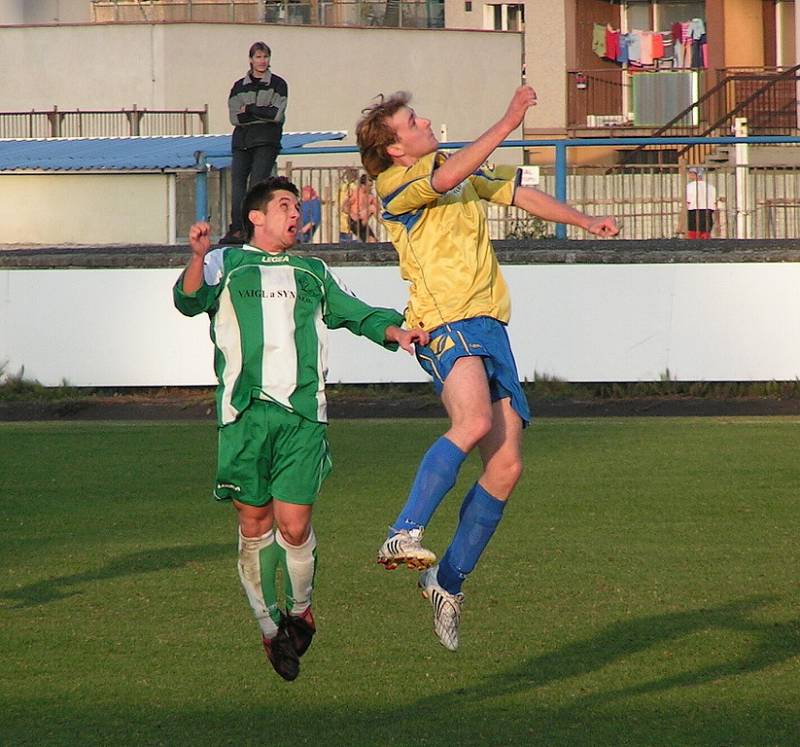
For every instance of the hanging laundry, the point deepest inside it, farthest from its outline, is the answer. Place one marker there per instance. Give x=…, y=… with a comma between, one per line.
x=599, y=39
x=697, y=28
x=635, y=47
x=612, y=43
x=646, y=48
x=622, y=51
x=698, y=58
x=658, y=47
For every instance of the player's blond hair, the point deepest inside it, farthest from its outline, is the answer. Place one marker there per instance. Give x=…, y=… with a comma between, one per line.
x=374, y=134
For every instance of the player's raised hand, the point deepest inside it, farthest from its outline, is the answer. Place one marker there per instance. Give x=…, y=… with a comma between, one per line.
x=200, y=238
x=524, y=98
x=603, y=227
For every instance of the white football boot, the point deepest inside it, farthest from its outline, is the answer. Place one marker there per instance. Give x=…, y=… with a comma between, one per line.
x=405, y=548
x=446, y=608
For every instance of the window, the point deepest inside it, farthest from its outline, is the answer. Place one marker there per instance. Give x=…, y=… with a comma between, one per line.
x=504, y=17
x=468, y=6
x=659, y=15
x=669, y=13
x=638, y=16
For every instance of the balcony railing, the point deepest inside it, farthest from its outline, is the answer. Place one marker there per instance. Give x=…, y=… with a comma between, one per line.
x=595, y=97
x=109, y=123
x=389, y=13
x=766, y=97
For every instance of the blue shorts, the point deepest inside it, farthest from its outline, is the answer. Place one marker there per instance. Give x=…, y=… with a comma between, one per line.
x=482, y=336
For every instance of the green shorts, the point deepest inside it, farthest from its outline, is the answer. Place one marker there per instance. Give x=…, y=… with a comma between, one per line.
x=271, y=453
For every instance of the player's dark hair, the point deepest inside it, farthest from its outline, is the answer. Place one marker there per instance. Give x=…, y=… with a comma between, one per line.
x=374, y=134
x=258, y=197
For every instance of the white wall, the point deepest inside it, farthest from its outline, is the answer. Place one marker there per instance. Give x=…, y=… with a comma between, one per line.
x=545, y=50
x=81, y=208
x=578, y=322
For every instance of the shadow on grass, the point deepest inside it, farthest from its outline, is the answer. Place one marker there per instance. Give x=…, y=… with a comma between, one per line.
x=146, y=561
x=771, y=643
x=518, y=706
x=768, y=644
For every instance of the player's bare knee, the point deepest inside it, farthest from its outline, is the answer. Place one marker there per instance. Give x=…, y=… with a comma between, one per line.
x=513, y=471
x=478, y=427
x=294, y=532
x=504, y=474
x=252, y=526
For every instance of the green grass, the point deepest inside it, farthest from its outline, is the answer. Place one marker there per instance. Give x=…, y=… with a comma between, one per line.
x=643, y=589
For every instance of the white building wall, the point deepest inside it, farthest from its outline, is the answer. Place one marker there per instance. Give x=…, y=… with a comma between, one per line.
x=699, y=322
x=544, y=52
x=79, y=208
x=332, y=72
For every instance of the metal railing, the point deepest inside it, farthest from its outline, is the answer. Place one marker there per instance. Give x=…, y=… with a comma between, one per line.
x=766, y=97
x=594, y=97
x=108, y=123
x=389, y=13
x=648, y=199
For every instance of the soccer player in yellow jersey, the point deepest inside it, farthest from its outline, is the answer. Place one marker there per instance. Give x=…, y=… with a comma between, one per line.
x=432, y=211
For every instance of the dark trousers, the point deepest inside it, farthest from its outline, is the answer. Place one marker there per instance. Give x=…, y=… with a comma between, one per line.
x=700, y=224
x=255, y=164
x=361, y=231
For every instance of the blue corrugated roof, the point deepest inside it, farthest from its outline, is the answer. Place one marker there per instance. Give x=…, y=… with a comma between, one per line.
x=166, y=153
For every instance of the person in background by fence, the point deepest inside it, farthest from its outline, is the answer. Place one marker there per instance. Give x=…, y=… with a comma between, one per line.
x=701, y=204
x=312, y=213
x=257, y=109
x=348, y=183
x=360, y=206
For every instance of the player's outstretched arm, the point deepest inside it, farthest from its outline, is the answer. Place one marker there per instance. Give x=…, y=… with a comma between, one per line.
x=407, y=338
x=548, y=208
x=200, y=243
x=468, y=159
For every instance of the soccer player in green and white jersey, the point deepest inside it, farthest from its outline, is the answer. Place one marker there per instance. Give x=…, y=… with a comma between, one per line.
x=269, y=314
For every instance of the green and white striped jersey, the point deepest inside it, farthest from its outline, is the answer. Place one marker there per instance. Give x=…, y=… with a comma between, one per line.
x=269, y=314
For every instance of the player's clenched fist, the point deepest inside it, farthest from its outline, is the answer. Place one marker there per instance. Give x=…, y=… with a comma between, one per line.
x=200, y=238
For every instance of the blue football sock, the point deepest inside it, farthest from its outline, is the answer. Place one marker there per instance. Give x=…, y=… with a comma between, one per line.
x=480, y=515
x=467, y=502
x=436, y=475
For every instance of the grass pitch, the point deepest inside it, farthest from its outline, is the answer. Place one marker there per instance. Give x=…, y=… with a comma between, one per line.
x=643, y=589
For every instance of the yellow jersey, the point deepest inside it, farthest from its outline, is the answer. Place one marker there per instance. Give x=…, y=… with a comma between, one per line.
x=443, y=242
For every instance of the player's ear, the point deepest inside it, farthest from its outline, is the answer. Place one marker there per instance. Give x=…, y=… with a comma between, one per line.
x=256, y=217
x=395, y=150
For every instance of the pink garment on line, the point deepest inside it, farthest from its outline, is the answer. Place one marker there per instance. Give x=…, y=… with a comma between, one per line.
x=646, y=53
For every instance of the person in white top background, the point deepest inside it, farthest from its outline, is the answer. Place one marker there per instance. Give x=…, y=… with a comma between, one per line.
x=701, y=204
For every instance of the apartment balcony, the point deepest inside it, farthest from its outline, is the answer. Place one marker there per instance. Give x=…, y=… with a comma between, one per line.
x=681, y=102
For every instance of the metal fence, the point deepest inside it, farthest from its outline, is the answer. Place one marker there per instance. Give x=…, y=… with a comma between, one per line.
x=648, y=200
x=109, y=123
x=389, y=13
